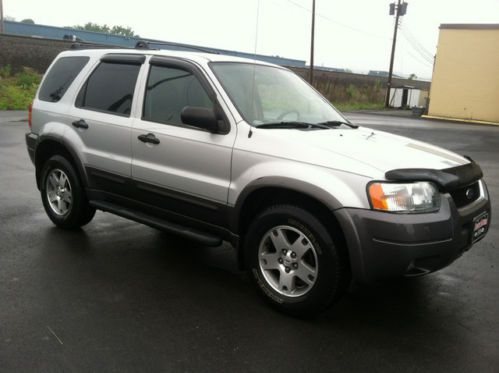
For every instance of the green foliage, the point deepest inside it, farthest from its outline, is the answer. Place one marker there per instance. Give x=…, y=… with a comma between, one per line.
x=5, y=71
x=28, y=20
x=27, y=79
x=123, y=31
x=352, y=106
x=90, y=26
x=352, y=92
x=18, y=90
x=114, y=30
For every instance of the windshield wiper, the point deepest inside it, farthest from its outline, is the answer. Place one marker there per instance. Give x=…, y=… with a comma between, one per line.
x=288, y=125
x=337, y=123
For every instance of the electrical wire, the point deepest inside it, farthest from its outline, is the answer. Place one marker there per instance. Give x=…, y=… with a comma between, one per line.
x=408, y=32
x=417, y=46
x=422, y=56
x=421, y=61
x=298, y=5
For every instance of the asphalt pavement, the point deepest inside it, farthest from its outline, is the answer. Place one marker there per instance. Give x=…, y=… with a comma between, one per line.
x=118, y=296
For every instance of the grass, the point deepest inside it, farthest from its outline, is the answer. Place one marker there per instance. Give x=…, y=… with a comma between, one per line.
x=352, y=106
x=17, y=90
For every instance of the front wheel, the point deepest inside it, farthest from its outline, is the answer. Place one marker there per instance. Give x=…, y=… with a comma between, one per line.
x=295, y=262
x=62, y=195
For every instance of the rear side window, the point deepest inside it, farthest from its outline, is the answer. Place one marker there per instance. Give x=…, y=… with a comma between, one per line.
x=168, y=91
x=110, y=88
x=60, y=77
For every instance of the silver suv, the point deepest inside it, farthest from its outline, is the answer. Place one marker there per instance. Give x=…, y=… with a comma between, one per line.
x=217, y=148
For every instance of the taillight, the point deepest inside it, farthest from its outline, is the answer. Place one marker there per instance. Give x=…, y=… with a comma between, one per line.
x=30, y=115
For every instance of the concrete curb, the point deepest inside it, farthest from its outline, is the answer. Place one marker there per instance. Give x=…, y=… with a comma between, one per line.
x=456, y=120
x=386, y=113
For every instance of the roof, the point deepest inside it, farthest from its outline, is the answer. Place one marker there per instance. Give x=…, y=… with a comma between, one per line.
x=470, y=26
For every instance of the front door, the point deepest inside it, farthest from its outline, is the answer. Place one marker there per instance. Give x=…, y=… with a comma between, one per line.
x=177, y=167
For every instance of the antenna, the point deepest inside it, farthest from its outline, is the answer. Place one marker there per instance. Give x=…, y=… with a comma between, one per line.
x=250, y=133
x=256, y=25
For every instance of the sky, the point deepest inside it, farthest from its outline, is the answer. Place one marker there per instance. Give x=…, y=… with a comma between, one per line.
x=351, y=34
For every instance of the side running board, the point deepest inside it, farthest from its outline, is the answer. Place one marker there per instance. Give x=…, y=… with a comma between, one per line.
x=201, y=237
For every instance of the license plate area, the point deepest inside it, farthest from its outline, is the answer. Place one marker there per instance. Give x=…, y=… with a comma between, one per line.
x=480, y=226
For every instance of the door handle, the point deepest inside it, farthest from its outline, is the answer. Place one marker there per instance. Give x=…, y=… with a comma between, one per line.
x=150, y=138
x=80, y=124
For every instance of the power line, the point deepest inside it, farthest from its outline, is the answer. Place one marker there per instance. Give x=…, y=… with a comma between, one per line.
x=421, y=61
x=423, y=52
x=408, y=32
x=424, y=56
x=337, y=22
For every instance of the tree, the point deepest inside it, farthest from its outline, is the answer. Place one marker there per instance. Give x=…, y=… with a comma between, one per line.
x=123, y=31
x=28, y=20
x=412, y=76
x=114, y=30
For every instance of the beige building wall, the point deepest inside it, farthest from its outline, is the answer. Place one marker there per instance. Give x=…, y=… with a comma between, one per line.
x=465, y=82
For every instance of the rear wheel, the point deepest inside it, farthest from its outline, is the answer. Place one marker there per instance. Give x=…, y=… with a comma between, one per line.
x=295, y=262
x=62, y=195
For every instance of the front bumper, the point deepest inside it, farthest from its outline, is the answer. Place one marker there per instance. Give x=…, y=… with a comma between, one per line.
x=383, y=245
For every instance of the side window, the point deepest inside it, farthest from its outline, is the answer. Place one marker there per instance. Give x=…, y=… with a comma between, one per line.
x=59, y=78
x=110, y=88
x=168, y=91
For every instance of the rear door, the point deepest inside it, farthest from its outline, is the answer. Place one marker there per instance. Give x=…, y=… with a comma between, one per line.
x=101, y=118
x=187, y=170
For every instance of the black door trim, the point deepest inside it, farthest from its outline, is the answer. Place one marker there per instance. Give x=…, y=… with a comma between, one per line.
x=157, y=201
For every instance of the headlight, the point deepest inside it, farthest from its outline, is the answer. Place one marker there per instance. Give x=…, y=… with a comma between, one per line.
x=412, y=197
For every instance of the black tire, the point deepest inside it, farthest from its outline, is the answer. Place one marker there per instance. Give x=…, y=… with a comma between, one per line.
x=333, y=275
x=80, y=212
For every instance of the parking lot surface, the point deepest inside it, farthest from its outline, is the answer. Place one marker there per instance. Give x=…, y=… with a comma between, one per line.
x=118, y=296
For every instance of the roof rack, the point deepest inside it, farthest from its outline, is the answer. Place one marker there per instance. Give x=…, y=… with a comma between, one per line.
x=146, y=44
x=94, y=46
x=141, y=44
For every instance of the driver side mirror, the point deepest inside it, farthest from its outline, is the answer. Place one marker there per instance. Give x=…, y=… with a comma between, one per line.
x=200, y=117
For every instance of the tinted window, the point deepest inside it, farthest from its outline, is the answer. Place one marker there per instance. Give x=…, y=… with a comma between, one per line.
x=110, y=88
x=168, y=91
x=267, y=94
x=60, y=77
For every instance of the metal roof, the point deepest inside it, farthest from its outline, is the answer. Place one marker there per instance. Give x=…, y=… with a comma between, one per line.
x=470, y=26
x=58, y=33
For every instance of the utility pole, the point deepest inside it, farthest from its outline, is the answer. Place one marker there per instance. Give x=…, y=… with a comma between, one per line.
x=311, y=75
x=399, y=10
x=1, y=16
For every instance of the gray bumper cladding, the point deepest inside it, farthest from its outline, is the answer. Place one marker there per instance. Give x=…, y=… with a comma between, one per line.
x=383, y=245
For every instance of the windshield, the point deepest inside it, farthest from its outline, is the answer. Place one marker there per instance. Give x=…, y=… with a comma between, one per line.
x=266, y=94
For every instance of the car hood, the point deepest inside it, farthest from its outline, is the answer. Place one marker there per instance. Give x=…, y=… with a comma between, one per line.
x=378, y=150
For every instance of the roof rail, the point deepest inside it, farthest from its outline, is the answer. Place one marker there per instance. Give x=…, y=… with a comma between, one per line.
x=80, y=46
x=146, y=44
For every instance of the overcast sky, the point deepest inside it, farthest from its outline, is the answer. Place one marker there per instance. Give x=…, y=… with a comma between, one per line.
x=349, y=34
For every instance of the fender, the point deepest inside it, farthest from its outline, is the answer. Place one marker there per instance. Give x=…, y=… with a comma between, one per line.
x=69, y=148
x=308, y=189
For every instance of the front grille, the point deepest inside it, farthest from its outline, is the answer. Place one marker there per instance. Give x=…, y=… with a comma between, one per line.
x=464, y=196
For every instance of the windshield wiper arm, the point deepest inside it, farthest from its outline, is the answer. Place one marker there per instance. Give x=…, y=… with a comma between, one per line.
x=287, y=125
x=337, y=123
